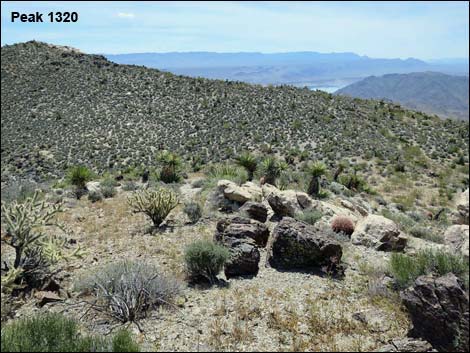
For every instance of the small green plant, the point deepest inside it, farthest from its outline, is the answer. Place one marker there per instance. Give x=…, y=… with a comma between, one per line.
x=405, y=269
x=171, y=167
x=226, y=171
x=205, y=259
x=315, y=171
x=249, y=162
x=156, y=204
x=95, y=196
x=270, y=169
x=310, y=216
x=56, y=333
x=193, y=210
x=79, y=176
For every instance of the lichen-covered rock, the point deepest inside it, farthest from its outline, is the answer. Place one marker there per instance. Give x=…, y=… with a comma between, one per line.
x=244, y=258
x=242, y=228
x=439, y=311
x=457, y=238
x=233, y=192
x=255, y=210
x=379, y=233
x=298, y=245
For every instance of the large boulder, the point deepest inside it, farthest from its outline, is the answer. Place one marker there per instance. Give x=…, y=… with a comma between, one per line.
x=244, y=258
x=462, y=205
x=255, y=210
x=457, y=238
x=379, y=233
x=439, y=312
x=242, y=236
x=298, y=245
x=241, y=194
x=242, y=228
x=288, y=202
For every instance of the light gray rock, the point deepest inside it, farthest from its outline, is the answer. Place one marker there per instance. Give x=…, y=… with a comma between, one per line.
x=379, y=233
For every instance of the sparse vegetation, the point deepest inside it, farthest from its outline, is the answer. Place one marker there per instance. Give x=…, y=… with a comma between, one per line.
x=405, y=268
x=193, y=210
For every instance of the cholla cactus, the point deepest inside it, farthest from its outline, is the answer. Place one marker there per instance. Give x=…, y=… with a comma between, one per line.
x=25, y=222
x=156, y=204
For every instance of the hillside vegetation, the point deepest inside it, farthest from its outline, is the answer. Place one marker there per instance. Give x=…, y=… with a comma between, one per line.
x=61, y=107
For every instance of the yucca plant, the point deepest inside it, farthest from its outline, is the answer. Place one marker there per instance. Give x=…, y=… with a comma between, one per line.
x=171, y=166
x=270, y=169
x=315, y=171
x=249, y=162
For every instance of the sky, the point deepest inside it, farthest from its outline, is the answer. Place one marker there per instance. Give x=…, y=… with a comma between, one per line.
x=424, y=30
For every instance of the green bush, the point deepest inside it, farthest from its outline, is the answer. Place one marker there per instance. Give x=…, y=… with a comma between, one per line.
x=310, y=217
x=426, y=233
x=171, y=167
x=205, y=259
x=95, y=196
x=193, y=210
x=405, y=269
x=56, y=333
x=270, y=169
x=226, y=171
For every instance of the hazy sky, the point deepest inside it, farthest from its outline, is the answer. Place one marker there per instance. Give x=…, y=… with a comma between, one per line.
x=423, y=30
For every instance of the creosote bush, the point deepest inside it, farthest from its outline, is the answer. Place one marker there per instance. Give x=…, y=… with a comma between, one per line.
x=342, y=224
x=128, y=290
x=156, y=204
x=56, y=333
x=204, y=260
x=405, y=269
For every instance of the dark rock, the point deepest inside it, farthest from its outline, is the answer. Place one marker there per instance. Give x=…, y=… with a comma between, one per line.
x=244, y=258
x=439, y=311
x=406, y=344
x=45, y=297
x=298, y=245
x=255, y=210
x=242, y=228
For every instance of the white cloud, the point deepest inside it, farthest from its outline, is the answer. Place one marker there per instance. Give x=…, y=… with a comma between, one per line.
x=125, y=15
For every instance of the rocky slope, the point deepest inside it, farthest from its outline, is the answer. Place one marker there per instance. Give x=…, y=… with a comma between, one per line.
x=61, y=107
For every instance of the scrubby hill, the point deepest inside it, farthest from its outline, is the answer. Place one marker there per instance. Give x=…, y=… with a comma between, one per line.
x=61, y=107
x=431, y=92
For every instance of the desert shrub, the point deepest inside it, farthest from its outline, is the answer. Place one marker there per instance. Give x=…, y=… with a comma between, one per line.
x=171, y=167
x=310, y=216
x=205, y=259
x=127, y=290
x=402, y=220
x=95, y=196
x=426, y=233
x=156, y=204
x=108, y=191
x=227, y=171
x=405, y=269
x=342, y=224
x=193, y=210
x=247, y=161
x=56, y=333
x=129, y=185
x=355, y=183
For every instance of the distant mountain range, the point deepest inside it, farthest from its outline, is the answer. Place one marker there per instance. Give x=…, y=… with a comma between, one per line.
x=430, y=92
x=297, y=68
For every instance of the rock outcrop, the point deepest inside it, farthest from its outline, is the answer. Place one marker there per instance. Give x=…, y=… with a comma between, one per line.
x=457, y=238
x=298, y=245
x=379, y=233
x=439, y=311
